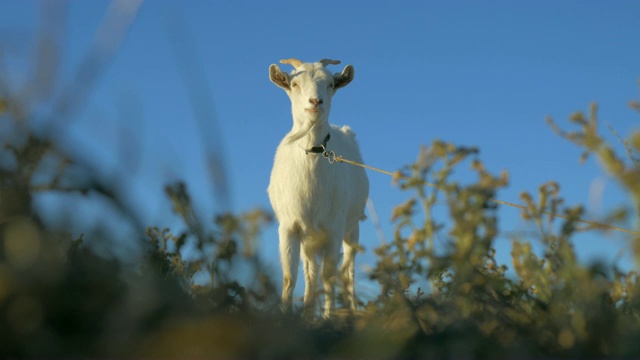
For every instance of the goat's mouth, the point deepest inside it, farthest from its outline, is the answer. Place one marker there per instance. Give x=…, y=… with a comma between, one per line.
x=313, y=110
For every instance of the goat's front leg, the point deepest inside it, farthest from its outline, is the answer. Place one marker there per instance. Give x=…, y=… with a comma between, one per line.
x=347, y=270
x=290, y=259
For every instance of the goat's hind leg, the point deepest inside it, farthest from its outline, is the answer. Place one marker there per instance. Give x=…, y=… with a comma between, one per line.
x=290, y=259
x=329, y=275
x=310, y=267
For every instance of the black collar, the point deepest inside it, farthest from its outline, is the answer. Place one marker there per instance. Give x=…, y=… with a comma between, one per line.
x=321, y=148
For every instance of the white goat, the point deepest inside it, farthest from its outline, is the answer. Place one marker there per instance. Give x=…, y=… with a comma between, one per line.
x=317, y=204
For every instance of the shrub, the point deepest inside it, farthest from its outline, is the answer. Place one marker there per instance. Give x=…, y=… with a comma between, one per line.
x=442, y=292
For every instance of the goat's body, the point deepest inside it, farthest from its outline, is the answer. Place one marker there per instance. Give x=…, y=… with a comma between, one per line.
x=318, y=204
x=314, y=192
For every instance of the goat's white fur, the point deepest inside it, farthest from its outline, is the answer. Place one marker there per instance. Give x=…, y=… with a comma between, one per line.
x=318, y=205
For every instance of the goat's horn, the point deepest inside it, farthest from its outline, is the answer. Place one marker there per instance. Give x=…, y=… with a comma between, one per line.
x=326, y=62
x=294, y=62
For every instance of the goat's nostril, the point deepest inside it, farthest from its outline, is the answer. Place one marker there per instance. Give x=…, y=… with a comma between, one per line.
x=315, y=101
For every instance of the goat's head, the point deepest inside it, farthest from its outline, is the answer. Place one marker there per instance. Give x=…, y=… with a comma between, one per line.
x=310, y=87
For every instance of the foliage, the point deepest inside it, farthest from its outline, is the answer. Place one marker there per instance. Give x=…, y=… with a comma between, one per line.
x=58, y=297
x=442, y=292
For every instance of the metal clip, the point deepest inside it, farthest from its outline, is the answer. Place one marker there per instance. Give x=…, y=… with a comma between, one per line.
x=330, y=155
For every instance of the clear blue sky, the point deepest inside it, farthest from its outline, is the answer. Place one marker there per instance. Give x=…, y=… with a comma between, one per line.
x=482, y=74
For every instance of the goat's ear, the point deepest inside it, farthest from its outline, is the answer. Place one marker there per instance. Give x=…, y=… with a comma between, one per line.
x=278, y=77
x=341, y=80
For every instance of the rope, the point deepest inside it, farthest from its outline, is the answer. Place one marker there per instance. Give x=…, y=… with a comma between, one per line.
x=335, y=158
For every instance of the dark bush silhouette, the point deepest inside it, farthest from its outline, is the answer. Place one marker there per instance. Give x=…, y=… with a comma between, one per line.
x=61, y=297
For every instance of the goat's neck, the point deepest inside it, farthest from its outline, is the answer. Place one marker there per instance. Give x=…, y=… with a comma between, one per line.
x=315, y=136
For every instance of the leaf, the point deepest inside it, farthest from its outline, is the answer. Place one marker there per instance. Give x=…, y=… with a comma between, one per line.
x=4, y=106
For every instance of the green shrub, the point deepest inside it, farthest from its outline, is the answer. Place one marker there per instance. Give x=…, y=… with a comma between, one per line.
x=442, y=293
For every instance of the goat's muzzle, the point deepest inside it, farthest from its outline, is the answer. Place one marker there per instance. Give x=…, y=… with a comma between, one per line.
x=315, y=106
x=316, y=101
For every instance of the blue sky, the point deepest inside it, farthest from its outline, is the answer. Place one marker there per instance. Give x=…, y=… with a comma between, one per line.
x=483, y=74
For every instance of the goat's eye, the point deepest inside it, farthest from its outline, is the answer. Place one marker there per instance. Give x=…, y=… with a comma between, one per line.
x=294, y=85
x=330, y=86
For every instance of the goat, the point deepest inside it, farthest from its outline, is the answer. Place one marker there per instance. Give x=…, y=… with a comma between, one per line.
x=318, y=205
